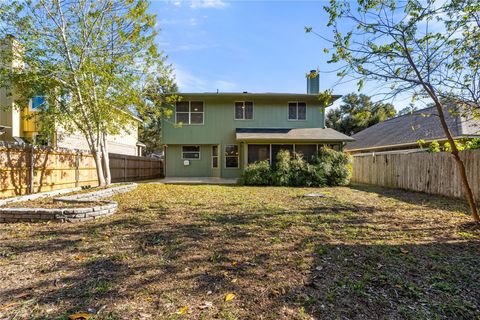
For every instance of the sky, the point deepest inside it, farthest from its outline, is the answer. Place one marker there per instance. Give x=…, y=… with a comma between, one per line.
x=254, y=46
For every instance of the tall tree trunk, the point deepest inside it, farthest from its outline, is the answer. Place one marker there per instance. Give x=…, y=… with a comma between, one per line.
x=97, y=155
x=461, y=166
x=438, y=104
x=106, y=160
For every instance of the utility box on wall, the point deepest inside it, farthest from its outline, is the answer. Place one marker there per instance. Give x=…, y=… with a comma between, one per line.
x=186, y=162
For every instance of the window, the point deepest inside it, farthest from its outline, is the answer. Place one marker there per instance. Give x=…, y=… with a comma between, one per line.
x=191, y=152
x=243, y=110
x=308, y=151
x=214, y=156
x=297, y=111
x=189, y=112
x=258, y=152
x=37, y=102
x=231, y=156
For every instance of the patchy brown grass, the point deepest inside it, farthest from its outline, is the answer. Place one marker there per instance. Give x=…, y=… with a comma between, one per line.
x=175, y=252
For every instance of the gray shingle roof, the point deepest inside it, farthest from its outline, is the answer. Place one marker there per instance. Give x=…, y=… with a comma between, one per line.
x=408, y=129
x=287, y=134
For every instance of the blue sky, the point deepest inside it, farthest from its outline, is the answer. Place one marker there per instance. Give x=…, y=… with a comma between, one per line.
x=254, y=46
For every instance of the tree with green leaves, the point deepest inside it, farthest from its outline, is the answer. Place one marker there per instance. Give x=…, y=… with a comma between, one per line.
x=428, y=49
x=358, y=112
x=160, y=98
x=92, y=60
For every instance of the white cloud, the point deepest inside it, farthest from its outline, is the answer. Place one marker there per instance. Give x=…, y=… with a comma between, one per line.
x=186, y=81
x=217, y=4
x=223, y=85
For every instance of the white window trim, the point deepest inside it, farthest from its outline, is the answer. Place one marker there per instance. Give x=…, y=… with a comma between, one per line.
x=297, y=102
x=225, y=156
x=190, y=114
x=217, y=156
x=192, y=145
x=235, y=111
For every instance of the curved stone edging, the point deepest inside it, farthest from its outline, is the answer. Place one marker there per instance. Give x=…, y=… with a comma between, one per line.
x=70, y=214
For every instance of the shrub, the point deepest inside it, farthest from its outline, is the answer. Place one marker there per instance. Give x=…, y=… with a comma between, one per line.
x=317, y=174
x=434, y=146
x=474, y=143
x=282, y=172
x=338, y=169
x=257, y=174
x=298, y=172
x=329, y=167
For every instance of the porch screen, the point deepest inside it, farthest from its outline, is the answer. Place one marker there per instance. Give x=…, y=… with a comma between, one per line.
x=308, y=151
x=258, y=152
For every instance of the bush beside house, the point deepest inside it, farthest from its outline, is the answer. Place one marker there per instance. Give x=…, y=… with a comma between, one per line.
x=328, y=168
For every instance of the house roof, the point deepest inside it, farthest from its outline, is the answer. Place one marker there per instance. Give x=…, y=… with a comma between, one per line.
x=251, y=95
x=408, y=129
x=291, y=135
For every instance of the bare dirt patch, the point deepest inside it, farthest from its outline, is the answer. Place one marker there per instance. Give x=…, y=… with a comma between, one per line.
x=177, y=252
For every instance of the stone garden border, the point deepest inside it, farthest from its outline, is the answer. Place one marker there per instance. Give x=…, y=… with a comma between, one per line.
x=65, y=215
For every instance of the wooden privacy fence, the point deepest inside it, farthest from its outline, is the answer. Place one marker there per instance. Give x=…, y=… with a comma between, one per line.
x=54, y=169
x=434, y=173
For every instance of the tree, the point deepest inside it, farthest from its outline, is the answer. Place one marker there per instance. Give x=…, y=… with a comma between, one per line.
x=91, y=59
x=358, y=112
x=428, y=49
x=160, y=99
x=408, y=110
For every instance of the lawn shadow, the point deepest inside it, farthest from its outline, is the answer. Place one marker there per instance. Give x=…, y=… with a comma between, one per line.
x=412, y=281
x=415, y=198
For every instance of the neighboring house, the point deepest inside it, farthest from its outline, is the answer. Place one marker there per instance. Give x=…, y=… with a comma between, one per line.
x=18, y=123
x=219, y=134
x=404, y=132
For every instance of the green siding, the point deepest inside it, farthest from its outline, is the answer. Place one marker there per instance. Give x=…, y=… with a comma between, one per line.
x=201, y=167
x=219, y=124
x=219, y=128
x=197, y=168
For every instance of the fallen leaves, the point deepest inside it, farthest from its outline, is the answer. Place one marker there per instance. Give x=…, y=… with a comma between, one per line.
x=79, y=316
x=229, y=297
x=183, y=310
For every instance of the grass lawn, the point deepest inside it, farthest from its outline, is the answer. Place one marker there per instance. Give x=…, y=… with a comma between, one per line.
x=176, y=252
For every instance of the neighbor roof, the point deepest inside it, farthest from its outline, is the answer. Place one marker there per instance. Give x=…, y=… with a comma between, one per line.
x=408, y=129
x=291, y=135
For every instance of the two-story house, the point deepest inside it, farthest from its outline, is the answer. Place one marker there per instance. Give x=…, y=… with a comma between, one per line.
x=18, y=122
x=219, y=134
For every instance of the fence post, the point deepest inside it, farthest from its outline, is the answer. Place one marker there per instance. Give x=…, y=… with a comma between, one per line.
x=77, y=168
x=124, y=168
x=31, y=172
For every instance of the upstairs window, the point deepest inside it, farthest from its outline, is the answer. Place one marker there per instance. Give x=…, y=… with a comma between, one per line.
x=38, y=102
x=243, y=110
x=297, y=111
x=189, y=112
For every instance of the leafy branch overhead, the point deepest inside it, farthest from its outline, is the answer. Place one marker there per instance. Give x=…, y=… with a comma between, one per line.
x=427, y=49
x=92, y=60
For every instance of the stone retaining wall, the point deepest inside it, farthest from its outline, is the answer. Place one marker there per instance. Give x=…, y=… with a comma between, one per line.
x=71, y=214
